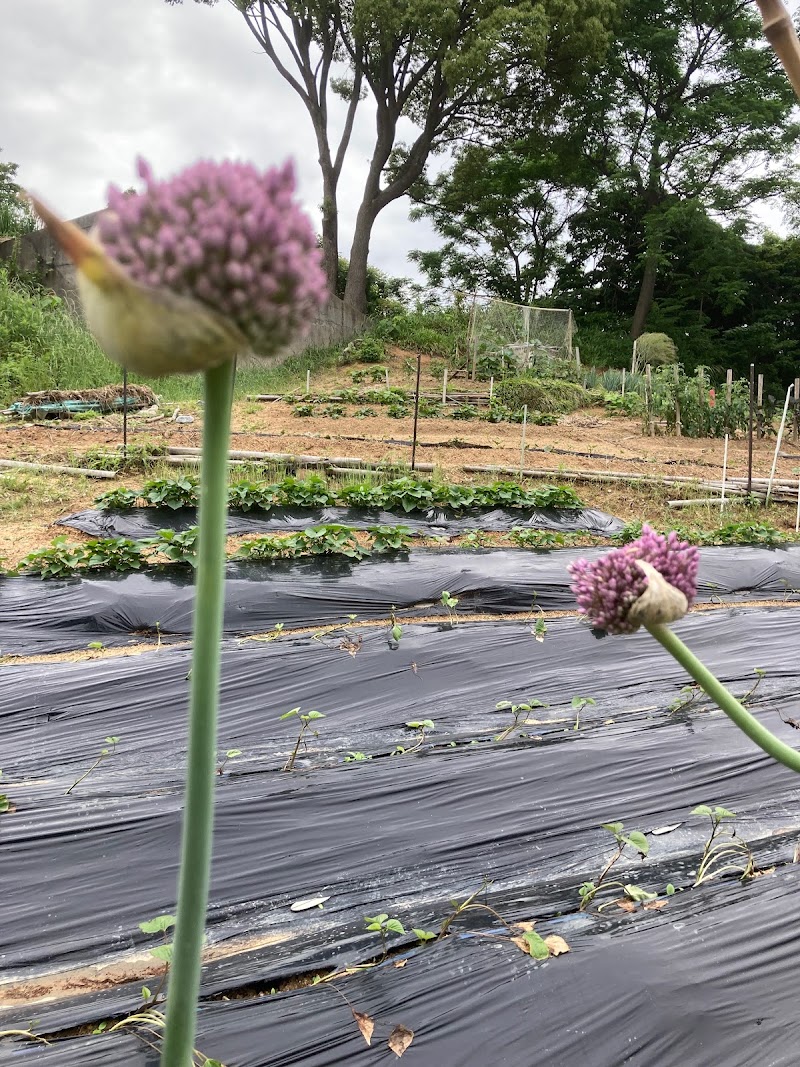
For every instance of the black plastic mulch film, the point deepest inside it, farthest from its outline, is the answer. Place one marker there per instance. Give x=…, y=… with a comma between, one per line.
x=144, y=522
x=709, y=979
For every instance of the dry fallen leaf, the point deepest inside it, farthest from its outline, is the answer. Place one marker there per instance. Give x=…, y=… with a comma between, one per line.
x=557, y=945
x=521, y=944
x=365, y=1024
x=400, y=963
x=400, y=1038
x=306, y=905
x=655, y=905
x=524, y=926
x=625, y=905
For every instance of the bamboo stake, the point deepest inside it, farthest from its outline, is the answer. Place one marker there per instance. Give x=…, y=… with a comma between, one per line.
x=724, y=473
x=444, y=387
x=760, y=405
x=728, y=385
x=308, y=382
x=677, y=402
x=650, y=419
x=623, y=382
x=56, y=468
x=491, y=389
x=522, y=446
x=797, y=519
x=778, y=443
x=780, y=32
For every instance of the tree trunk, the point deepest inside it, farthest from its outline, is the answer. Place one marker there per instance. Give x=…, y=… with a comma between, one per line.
x=355, y=292
x=646, y=294
x=330, y=231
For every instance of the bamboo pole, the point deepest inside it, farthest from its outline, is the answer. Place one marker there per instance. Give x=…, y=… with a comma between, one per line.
x=677, y=402
x=308, y=382
x=649, y=389
x=778, y=442
x=724, y=472
x=56, y=468
x=522, y=445
x=444, y=387
x=728, y=385
x=760, y=406
x=780, y=32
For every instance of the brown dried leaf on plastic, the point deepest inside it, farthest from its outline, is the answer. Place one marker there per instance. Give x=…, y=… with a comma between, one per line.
x=523, y=926
x=655, y=905
x=365, y=1024
x=625, y=905
x=400, y=1038
x=400, y=963
x=521, y=944
x=557, y=945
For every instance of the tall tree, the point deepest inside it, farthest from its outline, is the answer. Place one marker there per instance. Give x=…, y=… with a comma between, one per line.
x=504, y=213
x=16, y=216
x=697, y=110
x=441, y=64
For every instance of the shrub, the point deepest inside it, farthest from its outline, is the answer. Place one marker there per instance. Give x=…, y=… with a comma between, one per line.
x=172, y=493
x=116, y=500
x=655, y=348
x=550, y=395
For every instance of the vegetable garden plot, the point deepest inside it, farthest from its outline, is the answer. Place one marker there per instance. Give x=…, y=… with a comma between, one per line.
x=62, y=615
x=144, y=522
x=399, y=833
x=708, y=980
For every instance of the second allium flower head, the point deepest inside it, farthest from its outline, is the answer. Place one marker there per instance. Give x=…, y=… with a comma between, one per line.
x=611, y=590
x=197, y=269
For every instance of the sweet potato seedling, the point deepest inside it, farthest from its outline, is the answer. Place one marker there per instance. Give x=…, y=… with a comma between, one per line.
x=112, y=742
x=305, y=724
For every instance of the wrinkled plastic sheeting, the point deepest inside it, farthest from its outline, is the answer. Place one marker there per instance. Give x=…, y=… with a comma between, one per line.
x=709, y=980
x=63, y=615
x=145, y=522
x=397, y=833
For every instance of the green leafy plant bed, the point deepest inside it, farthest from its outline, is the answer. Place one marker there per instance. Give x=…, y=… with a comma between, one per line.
x=405, y=494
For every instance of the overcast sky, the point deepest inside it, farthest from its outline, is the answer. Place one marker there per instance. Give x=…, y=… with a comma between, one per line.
x=87, y=85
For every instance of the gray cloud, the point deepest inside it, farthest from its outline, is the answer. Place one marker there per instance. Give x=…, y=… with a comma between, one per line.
x=89, y=85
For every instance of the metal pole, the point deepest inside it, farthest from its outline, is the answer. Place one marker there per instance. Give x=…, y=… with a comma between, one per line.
x=124, y=415
x=750, y=432
x=416, y=415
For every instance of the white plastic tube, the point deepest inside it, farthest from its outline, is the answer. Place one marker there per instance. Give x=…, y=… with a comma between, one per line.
x=789, y=392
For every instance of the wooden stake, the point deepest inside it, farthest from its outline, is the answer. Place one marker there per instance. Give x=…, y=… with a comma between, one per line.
x=308, y=382
x=623, y=381
x=724, y=473
x=416, y=415
x=649, y=390
x=444, y=387
x=729, y=385
x=677, y=402
x=491, y=389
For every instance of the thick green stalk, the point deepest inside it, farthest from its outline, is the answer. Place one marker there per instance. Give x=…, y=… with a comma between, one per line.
x=746, y=722
x=198, y=808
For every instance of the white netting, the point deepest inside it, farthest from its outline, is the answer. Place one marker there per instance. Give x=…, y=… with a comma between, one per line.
x=526, y=334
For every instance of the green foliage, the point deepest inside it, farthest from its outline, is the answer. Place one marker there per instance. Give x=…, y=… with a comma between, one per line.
x=176, y=547
x=58, y=560
x=117, y=500
x=390, y=538
x=246, y=496
x=42, y=346
x=174, y=493
x=729, y=533
x=16, y=215
x=367, y=349
x=309, y=492
x=526, y=537
x=550, y=395
x=436, y=332
x=464, y=411
x=113, y=553
x=362, y=495
x=702, y=413
x=303, y=411
x=656, y=349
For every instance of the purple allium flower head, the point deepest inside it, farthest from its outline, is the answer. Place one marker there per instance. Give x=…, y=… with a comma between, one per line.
x=607, y=588
x=226, y=235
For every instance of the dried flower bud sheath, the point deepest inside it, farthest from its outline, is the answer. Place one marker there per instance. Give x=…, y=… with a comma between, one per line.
x=660, y=603
x=150, y=331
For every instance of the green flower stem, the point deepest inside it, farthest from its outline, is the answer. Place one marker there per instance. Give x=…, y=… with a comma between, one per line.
x=198, y=808
x=746, y=722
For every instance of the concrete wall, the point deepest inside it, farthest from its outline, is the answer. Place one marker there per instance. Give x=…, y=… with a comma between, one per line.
x=38, y=253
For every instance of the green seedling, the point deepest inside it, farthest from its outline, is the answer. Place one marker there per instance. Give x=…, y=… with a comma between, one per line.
x=232, y=753
x=95, y=646
x=112, y=742
x=760, y=674
x=539, y=629
x=636, y=839
x=161, y=924
x=450, y=602
x=520, y=713
x=305, y=724
x=383, y=925
x=356, y=757
x=395, y=631
x=724, y=852
x=687, y=696
x=5, y=804
x=422, y=726
x=578, y=704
